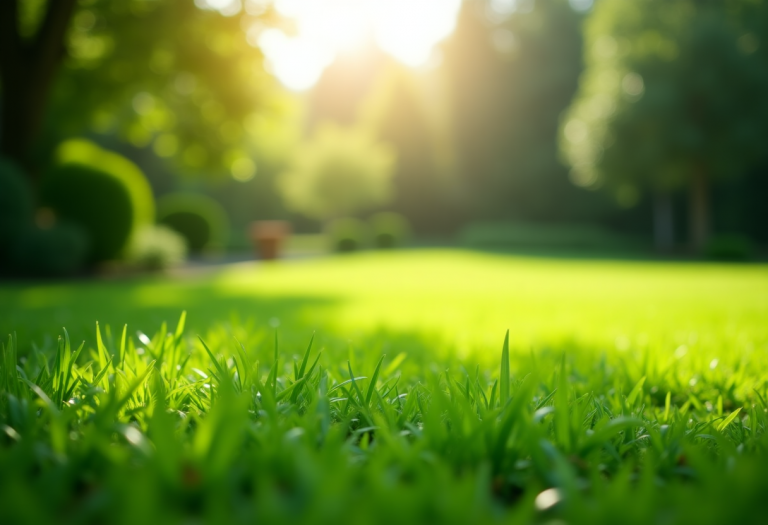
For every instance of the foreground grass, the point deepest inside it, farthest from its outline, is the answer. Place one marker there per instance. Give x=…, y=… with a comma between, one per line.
x=168, y=431
x=629, y=393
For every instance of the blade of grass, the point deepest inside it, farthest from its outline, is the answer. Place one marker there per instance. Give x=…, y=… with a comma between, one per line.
x=504, y=372
x=372, y=385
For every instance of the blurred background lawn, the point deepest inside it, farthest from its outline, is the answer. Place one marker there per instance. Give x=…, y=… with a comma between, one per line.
x=449, y=303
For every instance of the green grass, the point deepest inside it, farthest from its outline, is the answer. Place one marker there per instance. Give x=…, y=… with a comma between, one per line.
x=627, y=393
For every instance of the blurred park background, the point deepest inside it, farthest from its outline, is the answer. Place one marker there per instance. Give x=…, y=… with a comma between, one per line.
x=136, y=134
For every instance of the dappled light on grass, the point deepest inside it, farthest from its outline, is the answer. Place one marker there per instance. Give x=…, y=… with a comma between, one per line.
x=461, y=299
x=464, y=298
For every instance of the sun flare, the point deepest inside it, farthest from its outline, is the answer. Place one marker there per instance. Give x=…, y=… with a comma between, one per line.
x=408, y=30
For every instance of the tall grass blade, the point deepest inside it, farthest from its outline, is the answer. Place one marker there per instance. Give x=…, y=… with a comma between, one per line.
x=504, y=372
x=372, y=385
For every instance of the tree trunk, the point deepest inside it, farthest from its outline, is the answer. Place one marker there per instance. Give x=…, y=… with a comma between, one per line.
x=22, y=113
x=698, y=209
x=28, y=70
x=663, y=222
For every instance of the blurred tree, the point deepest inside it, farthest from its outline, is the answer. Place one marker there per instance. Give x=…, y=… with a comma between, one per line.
x=32, y=47
x=513, y=68
x=177, y=75
x=406, y=108
x=341, y=171
x=409, y=110
x=673, y=96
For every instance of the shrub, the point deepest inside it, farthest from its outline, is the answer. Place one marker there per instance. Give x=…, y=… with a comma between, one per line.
x=730, y=247
x=389, y=230
x=515, y=235
x=103, y=192
x=339, y=172
x=199, y=219
x=15, y=205
x=53, y=252
x=157, y=248
x=346, y=235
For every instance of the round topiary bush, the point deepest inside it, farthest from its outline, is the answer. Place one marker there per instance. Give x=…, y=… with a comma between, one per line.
x=347, y=235
x=389, y=230
x=16, y=206
x=199, y=219
x=100, y=191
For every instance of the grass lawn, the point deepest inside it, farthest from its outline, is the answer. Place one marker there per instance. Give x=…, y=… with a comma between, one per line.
x=631, y=392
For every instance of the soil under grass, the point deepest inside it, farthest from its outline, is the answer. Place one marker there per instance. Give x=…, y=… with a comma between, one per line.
x=629, y=392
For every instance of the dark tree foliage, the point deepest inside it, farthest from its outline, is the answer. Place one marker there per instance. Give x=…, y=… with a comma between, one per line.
x=511, y=81
x=29, y=63
x=673, y=97
x=423, y=185
x=169, y=74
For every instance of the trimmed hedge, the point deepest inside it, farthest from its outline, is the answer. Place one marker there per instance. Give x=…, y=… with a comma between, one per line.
x=100, y=191
x=389, y=230
x=347, y=235
x=199, y=219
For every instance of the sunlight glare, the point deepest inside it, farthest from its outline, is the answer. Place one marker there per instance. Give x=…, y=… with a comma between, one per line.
x=295, y=61
x=407, y=30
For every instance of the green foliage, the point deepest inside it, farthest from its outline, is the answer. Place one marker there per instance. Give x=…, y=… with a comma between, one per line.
x=339, y=172
x=102, y=192
x=156, y=248
x=26, y=249
x=511, y=77
x=730, y=248
x=389, y=230
x=199, y=219
x=178, y=78
x=511, y=235
x=16, y=205
x=58, y=251
x=671, y=88
x=347, y=234
x=406, y=113
x=96, y=201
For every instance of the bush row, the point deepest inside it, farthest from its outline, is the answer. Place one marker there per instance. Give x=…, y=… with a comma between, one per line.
x=95, y=206
x=383, y=230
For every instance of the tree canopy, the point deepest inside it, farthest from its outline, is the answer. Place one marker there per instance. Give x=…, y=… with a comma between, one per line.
x=184, y=79
x=340, y=171
x=673, y=96
x=511, y=75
